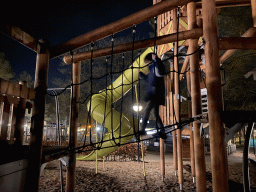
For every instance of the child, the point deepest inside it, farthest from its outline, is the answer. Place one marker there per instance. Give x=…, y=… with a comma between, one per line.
x=155, y=91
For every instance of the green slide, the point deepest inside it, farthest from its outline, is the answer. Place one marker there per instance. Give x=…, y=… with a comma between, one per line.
x=99, y=108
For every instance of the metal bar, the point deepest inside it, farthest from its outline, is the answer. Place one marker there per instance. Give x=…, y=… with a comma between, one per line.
x=20, y=36
x=37, y=120
x=75, y=93
x=213, y=84
x=190, y=34
x=117, y=26
x=196, y=103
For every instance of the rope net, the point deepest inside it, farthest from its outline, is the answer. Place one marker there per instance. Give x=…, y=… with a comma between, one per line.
x=108, y=106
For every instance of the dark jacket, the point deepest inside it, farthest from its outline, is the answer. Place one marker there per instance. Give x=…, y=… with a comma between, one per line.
x=155, y=82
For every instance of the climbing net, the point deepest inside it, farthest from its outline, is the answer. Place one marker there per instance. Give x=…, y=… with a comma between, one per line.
x=115, y=89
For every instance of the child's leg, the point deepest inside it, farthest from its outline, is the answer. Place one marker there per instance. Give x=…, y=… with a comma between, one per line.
x=156, y=113
x=146, y=114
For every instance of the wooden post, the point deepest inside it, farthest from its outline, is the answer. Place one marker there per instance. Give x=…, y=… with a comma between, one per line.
x=162, y=160
x=214, y=93
x=37, y=120
x=177, y=105
x=196, y=103
x=20, y=118
x=191, y=132
x=253, y=5
x=174, y=133
x=75, y=93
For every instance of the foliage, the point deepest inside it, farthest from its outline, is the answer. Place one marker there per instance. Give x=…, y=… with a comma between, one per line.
x=238, y=92
x=6, y=71
x=25, y=76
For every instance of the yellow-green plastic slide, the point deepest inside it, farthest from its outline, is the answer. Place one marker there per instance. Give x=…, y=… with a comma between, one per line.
x=99, y=108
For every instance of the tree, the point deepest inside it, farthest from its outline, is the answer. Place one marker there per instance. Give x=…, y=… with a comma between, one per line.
x=6, y=71
x=25, y=76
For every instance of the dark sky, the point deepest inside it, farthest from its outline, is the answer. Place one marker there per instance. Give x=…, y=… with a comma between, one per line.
x=61, y=22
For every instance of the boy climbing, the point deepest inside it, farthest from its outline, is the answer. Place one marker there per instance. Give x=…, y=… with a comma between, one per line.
x=155, y=91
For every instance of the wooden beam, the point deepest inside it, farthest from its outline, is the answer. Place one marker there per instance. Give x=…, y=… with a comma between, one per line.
x=20, y=36
x=227, y=3
x=116, y=26
x=245, y=43
x=214, y=94
x=16, y=90
x=249, y=33
x=193, y=34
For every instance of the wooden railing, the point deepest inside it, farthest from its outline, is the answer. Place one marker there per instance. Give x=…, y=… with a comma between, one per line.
x=15, y=98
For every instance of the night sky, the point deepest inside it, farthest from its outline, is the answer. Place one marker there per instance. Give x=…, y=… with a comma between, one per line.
x=61, y=22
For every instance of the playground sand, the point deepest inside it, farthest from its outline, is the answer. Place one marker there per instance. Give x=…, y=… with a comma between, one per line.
x=128, y=176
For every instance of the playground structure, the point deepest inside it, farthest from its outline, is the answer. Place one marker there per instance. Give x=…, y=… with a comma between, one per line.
x=200, y=21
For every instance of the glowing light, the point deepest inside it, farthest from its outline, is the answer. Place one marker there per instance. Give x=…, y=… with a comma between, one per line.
x=137, y=108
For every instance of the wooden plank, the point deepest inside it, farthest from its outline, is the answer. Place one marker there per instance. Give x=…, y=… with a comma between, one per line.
x=20, y=36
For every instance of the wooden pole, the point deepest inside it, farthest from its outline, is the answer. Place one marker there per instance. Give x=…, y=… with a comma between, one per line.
x=174, y=133
x=253, y=6
x=191, y=132
x=177, y=105
x=37, y=120
x=20, y=118
x=244, y=43
x=162, y=159
x=117, y=26
x=196, y=103
x=75, y=93
x=249, y=33
x=214, y=93
x=190, y=34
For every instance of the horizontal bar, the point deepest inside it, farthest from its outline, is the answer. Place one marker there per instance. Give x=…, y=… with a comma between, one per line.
x=117, y=26
x=190, y=34
x=226, y=43
x=20, y=36
x=249, y=33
